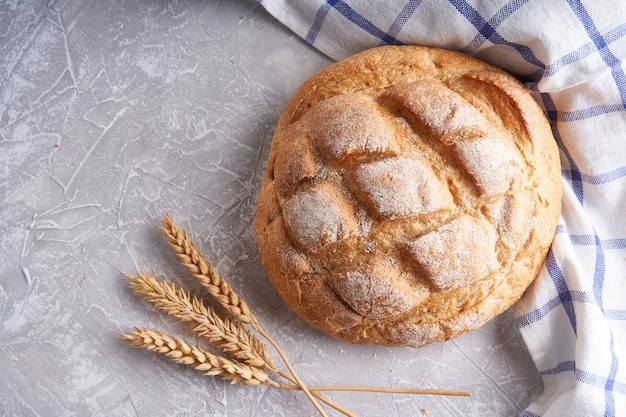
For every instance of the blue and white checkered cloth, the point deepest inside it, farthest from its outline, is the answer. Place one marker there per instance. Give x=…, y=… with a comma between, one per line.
x=571, y=52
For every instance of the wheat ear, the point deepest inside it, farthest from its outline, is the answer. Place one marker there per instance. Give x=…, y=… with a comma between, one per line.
x=216, y=285
x=198, y=358
x=205, y=274
x=225, y=334
x=181, y=352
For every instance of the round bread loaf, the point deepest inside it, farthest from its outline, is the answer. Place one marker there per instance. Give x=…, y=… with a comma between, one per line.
x=410, y=196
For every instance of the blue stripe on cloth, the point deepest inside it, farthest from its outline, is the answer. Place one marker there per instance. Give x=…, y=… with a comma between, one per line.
x=609, y=384
x=560, y=228
x=598, y=273
x=353, y=16
x=617, y=315
x=527, y=413
x=589, y=112
x=570, y=58
x=537, y=314
x=601, y=45
x=587, y=377
x=589, y=240
x=403, y=17
x=584, y=51
x=499, y=17
x=561, y=367
x=315, y=28
x=489, y=32
x=575, y=176
x=541, y=312
x=598, y=287
x=565, y=297
x=619, y=243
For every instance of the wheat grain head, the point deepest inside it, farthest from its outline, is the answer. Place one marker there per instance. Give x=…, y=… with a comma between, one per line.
x=228, y=335
x=210, y=364
x=205, y=274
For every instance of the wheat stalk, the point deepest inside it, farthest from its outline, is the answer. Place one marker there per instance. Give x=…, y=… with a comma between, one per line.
x=212, y=365
x=229, y=336
x=216, y=285
x=205, y=274
x=313, y=388
x=225, y=334
x=179, y=351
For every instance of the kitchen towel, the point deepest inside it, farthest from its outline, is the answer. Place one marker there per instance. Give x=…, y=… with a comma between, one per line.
x=570, y=54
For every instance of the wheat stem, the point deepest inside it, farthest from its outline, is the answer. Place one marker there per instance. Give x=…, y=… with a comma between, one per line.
x=298, y=382
x=180, y=352
x=459, y=393
x=227, y=335
x=315, y=394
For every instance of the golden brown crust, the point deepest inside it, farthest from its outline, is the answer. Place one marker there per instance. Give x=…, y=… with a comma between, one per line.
x=410, y=196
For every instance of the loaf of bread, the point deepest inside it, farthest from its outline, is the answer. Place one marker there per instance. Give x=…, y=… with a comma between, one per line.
x=410, y=196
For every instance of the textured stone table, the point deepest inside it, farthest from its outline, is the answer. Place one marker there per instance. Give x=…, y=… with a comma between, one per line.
x=112, y=114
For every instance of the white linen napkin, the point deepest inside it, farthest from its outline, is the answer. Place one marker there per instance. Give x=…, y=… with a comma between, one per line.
x=571, y=53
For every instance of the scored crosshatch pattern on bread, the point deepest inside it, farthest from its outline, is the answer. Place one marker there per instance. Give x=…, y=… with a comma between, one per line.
x=410, y=196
